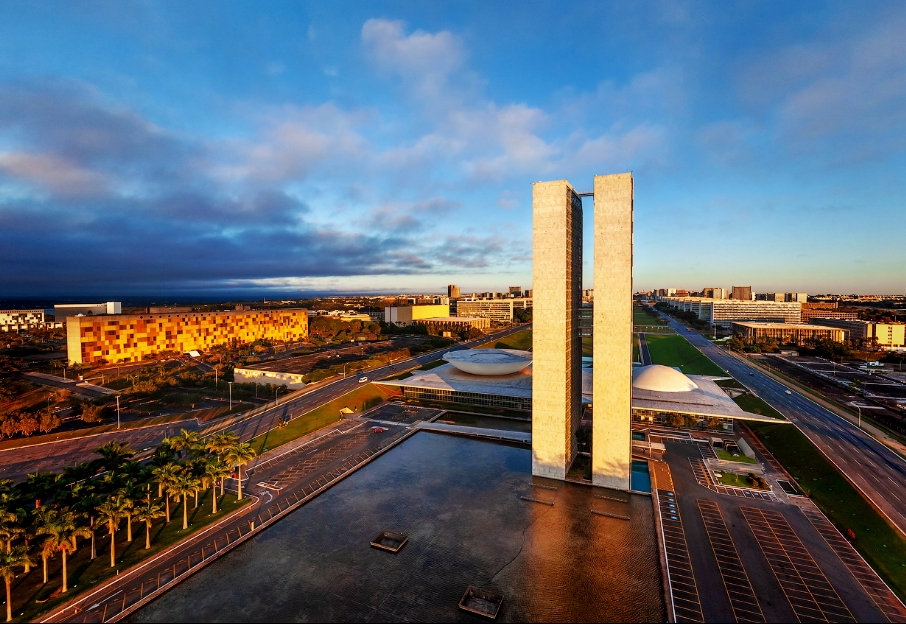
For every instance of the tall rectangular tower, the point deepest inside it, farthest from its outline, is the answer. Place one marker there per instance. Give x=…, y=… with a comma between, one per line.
x=612, y=371
x=557, y=346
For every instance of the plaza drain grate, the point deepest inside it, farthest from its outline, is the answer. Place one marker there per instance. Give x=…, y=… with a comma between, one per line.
x=389, y=541
x=481, y=602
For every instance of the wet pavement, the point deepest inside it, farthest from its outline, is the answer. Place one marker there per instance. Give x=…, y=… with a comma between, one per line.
x=473, y=515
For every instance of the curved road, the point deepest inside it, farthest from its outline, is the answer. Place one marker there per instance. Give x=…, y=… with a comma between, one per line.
x=17, y=463
x=875, y=469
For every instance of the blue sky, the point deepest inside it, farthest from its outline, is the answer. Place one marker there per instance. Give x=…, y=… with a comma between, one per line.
x=150, y=147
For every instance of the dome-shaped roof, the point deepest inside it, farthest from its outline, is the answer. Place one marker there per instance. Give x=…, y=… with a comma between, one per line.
x=489, y=361
x=657, y=378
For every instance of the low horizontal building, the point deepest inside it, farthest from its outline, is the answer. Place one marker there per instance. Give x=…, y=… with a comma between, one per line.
x=502, y=378
x=884, y=335
x=403, y=316
x=789, y=333
x=500, y=310
x=455, y=323
x=64, y=310
x=725, y=311
x=20, y=320
x=291, y=381
x=134, y=337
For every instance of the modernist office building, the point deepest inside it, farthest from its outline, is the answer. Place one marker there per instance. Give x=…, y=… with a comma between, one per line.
x=557, y=345
x=134, y=337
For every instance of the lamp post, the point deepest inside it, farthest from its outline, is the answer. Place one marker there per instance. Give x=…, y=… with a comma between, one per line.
x=230, y=384
x=276, y=400
x=117, y=411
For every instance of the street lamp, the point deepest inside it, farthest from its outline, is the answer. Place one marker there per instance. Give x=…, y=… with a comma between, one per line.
x=230, y=384
x=276, y=401
x=117, y=411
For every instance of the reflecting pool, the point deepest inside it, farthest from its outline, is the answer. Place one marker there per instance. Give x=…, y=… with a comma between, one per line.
x=458, y=500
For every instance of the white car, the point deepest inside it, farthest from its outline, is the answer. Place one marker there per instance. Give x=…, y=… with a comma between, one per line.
x=789, y=392
x=363, y=379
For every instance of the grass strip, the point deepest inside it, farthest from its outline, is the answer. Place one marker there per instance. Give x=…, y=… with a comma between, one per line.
x=520, y=340
x=358, y=400
x=882, y=545
x=728, y=456
x=431, y=365
x=737, y=480
x=86, y=574
x=756, y=405
x=677, y=351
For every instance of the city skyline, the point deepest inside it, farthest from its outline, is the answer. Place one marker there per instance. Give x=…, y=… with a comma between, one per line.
x=154, y=149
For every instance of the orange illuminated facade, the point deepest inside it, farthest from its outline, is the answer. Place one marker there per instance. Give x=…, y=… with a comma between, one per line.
x=134, y=337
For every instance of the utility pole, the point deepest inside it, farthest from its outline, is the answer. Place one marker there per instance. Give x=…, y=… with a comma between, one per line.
x=117, y=411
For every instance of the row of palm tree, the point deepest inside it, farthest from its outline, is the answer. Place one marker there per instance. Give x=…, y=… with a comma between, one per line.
x=49, y=513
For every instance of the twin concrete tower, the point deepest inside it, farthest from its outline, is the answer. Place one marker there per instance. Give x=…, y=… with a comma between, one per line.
x=557, y=345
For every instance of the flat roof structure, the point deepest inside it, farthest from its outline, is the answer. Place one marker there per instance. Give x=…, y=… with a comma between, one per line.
x=489, y=361
x=655, y=388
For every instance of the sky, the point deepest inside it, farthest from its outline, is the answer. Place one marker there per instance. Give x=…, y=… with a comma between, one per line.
x=202, y=147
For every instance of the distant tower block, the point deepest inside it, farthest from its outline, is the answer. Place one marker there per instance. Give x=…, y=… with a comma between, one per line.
x=612, y=317
x=557, y=346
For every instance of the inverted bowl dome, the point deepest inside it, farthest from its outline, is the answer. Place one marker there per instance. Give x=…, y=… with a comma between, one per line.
x=657, y=378
x=489, y=361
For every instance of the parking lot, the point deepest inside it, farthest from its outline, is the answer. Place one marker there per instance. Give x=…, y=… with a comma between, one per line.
x=733, y=557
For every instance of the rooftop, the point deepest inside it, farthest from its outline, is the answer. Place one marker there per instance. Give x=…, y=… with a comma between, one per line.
x=495, y=362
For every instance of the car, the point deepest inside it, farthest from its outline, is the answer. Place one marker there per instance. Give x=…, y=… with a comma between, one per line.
x=363, y=379
x=751, y=374
x=789, y=392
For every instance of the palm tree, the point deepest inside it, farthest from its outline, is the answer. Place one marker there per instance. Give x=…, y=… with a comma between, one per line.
x=85, y=502
x=114, y=454
x=10, y=528
x=166, y=476
x=180, y=490
x=215, y=470
x=9, y=561
x=147, y=512
x=46, y=519
x=110, y=512
x=186, y=441
x=125, y=494
x=67, y=529
x=219, y=442
x=239, y=455
x=39, y=486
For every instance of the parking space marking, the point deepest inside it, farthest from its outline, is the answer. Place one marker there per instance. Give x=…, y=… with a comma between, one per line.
x=736, y=581
x=686, y=603
x=806, y=587
x=703, y=476
x=879, y=592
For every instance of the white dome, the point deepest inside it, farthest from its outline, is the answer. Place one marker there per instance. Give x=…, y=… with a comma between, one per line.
x=489, y=361
x=657, y=378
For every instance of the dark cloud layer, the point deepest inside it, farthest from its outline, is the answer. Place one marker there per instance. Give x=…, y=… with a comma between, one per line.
x=98, y=197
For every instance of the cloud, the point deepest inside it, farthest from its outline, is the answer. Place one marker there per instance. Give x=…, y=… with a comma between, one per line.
x=848, y=91
x=53, y=173
x=425, y=61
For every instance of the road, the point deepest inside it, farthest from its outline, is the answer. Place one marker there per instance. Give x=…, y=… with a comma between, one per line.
x=17, y=463
x=869, y=464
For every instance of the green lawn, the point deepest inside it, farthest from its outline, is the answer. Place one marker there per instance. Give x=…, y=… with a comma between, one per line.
x=677, y=351
x=727, y=456
x=361, y=398
x=881, y=544
x=85, y=574
x=641, y=317
x=737, y=480
x=756, y=405
x=520, y=340
x=433, y=364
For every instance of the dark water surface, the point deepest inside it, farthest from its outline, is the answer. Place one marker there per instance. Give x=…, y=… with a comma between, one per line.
x=458, y=499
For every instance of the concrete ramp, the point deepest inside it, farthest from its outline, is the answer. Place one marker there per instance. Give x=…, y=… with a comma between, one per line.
x=477, y=432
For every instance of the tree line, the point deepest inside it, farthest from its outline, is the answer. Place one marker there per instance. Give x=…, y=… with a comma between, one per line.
x=47, y=514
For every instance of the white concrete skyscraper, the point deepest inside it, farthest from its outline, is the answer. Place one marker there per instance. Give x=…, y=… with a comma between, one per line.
x=557, y=346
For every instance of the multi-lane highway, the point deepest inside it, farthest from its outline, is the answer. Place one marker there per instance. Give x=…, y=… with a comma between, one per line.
x=875, y=469
x=17, y=463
